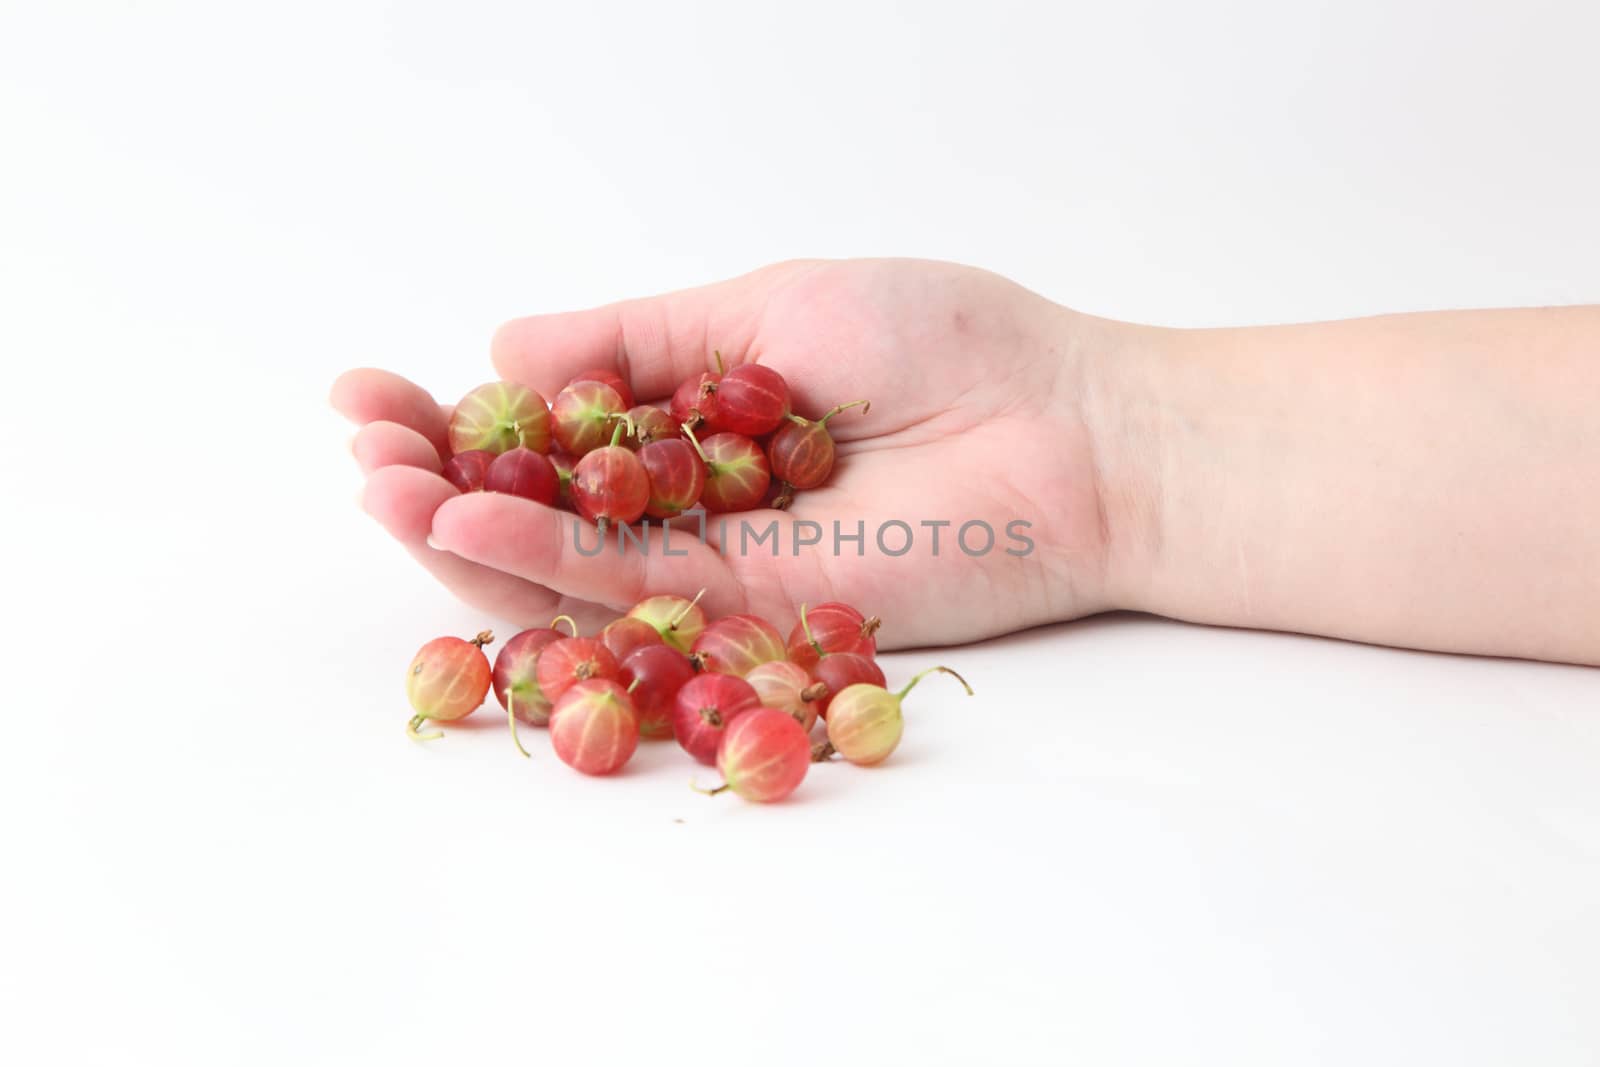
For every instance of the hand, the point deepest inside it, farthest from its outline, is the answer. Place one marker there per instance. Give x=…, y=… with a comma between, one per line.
x=977, y=389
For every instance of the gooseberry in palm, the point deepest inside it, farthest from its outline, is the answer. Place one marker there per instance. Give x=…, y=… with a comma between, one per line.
x=695, y=401
x=609, y=485
x=737, y=474
x=525, y=473
x=751, y=400
x=650, y=424
x=583, y=414
x=498, y=417
x=802, y=452
x=676, y=474
x=467, y=470
x=606, y=377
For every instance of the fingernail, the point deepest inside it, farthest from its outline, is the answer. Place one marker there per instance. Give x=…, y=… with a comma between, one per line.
x=434, y=544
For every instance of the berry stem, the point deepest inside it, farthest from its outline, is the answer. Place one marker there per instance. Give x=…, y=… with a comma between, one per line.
x=865, y=406
x=698, y=788
x=569, y=620
x=943, y=670
x=822, y=752
x=805, y=628
x=485, y=637
x=623, y=423
x=814, y=691
x=672, y=624
x=721, y=367
x=511, y=719
x=416, y=721
x=688, y=431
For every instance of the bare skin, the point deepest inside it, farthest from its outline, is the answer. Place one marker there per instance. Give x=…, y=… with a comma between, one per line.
x=1427, y=481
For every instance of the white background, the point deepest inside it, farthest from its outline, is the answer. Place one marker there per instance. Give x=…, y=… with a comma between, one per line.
x=1142, y=842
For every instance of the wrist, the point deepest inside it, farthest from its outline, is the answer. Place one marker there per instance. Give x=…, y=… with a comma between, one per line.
x=1125, y=397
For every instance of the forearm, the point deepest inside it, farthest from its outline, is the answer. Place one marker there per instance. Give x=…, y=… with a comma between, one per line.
x=1429, y=481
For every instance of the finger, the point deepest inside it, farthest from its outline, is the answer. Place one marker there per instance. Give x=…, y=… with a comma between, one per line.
x=369, y=395
x=542, y=545
x=388, y=444
x=654, y=343
x=404, y=499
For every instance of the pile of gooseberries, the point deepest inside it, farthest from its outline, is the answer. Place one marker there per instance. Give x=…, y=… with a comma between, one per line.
x=733, y=692
x=728, y=441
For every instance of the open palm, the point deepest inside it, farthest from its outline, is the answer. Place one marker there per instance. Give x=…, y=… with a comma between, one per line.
x=975, y=418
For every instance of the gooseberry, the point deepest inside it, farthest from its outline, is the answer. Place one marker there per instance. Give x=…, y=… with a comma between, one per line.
x=737, y=644
x=786, y=686
x=525, y=473
x=583, y=414
x=865, y=721
x=466, y=470
x=500, y=416
x=653, y=674
x=737, y=475
x=831, y=627
x=447, y=680
x=593, y=727
x=564, y=663
x=764, y=756
x=678, y=620
x=751, y=400
x=704, y=707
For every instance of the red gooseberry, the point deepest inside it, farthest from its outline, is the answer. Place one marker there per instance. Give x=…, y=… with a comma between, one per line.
x=865, y=721
x=565, y=663
x=594, y=728
x=650, y=424
x=525, y=473
x=802, y=452
x=607, y=377
x=737, y=475
x=624, y=635
x=704, y=707
x=677, y=476
x=751, y=399
x=831, y=627
x=516, y=681
x=839, y=671
x=609, y=485
x=653, y=674
x=447, y=680
x=789, y=688
x=500, y=416
x=582, y=416
x=764, y=756
x=694, y=401
x=466, y=470
x=678, y=620
x=736, y=644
